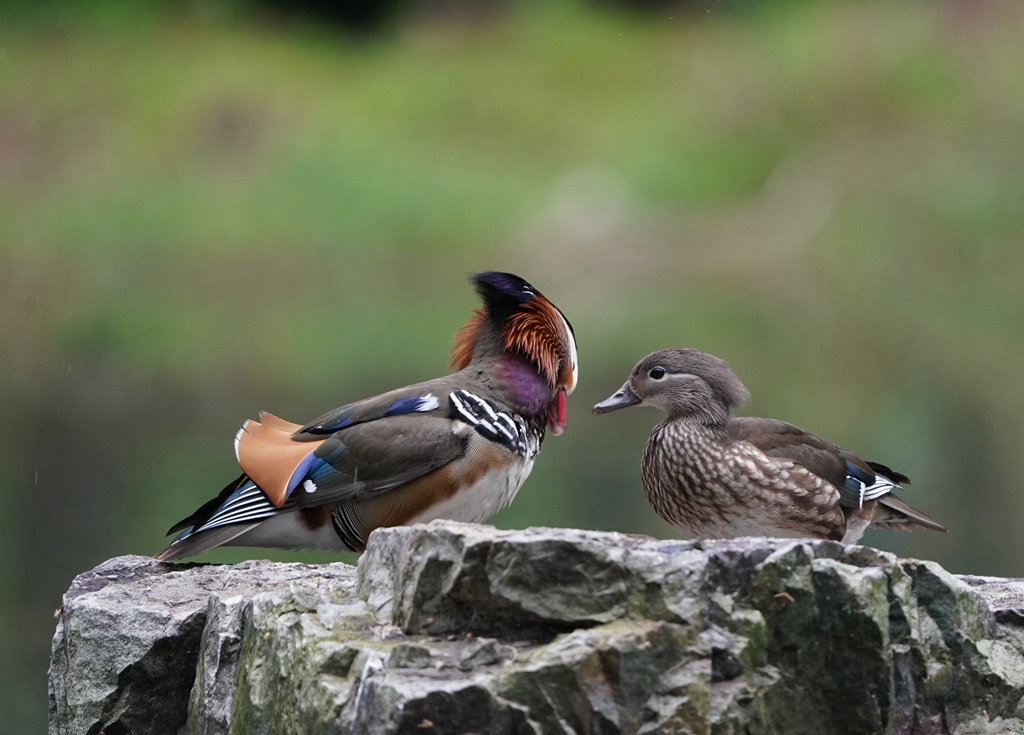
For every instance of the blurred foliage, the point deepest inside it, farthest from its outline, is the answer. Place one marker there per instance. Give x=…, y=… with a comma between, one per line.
x=206, y=210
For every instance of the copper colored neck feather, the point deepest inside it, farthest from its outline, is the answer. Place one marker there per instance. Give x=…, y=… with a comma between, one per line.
x=530, y=332
x=466, y=339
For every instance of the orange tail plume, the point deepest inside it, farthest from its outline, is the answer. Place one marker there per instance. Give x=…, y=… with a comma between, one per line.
x=270, y=457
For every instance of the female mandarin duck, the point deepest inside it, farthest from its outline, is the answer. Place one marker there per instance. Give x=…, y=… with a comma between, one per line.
x=713, y=475
x=458, y=447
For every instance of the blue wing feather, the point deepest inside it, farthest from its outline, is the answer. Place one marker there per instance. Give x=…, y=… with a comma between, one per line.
x=370, y=410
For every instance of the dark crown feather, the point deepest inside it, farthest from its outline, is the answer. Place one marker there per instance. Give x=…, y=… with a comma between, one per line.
x=503, y=294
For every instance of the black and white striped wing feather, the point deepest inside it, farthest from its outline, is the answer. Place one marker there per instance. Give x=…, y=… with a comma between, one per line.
x=247, y=504
x=491, y=421
x=861, y=487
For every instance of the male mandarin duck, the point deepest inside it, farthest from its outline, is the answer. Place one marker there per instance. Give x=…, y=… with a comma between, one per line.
x=457, y=447
x=713, y=475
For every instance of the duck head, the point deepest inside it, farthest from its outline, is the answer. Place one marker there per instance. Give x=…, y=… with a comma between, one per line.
x=683, y=383
x=517, y=321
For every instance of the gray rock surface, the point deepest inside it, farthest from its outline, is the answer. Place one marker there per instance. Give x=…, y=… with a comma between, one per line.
x=455, y=628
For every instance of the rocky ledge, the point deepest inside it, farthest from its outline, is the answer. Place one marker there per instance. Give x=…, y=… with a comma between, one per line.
x=453, y=628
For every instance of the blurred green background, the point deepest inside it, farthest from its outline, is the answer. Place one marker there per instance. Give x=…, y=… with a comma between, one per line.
x=212, y=208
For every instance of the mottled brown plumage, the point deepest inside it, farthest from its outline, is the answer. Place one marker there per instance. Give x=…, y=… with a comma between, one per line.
x=713, y=475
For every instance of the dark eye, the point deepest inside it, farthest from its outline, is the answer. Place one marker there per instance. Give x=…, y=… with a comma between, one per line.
x=657, y=373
